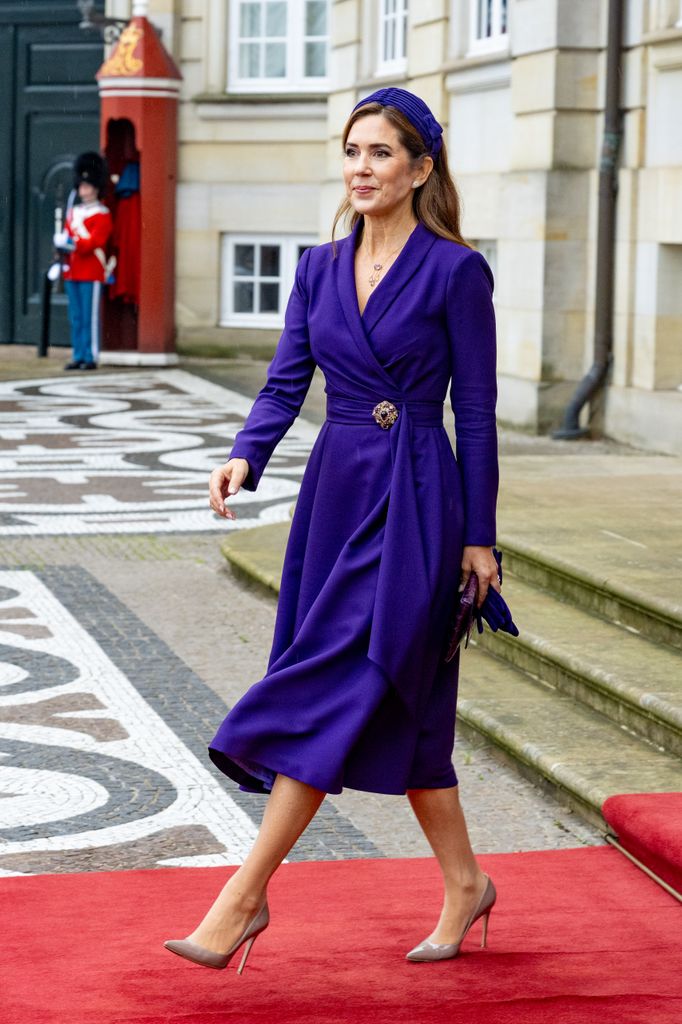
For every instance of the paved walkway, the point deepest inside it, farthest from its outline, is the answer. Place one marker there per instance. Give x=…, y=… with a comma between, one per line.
x=125, y=636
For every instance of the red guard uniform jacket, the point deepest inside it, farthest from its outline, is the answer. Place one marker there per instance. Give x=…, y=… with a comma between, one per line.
x=90, y=226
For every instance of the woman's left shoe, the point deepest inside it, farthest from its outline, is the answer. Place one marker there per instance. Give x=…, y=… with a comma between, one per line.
x=207, y=958
x=428, y=951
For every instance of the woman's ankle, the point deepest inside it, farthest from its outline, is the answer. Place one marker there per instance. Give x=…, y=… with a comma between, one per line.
x=246, y=897
x=467, y=881
x=253, y=901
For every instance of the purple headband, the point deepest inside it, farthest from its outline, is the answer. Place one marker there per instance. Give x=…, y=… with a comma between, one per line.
x=415, y=110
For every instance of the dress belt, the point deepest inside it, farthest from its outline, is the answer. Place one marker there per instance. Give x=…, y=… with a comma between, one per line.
x=384, y=413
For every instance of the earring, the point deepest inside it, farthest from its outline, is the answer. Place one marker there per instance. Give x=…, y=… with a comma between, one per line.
x=415, y=184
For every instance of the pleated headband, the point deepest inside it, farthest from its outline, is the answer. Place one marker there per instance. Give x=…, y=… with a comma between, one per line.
x=415, y=110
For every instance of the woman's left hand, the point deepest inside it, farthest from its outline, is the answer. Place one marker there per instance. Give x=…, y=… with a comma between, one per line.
x=481, y=561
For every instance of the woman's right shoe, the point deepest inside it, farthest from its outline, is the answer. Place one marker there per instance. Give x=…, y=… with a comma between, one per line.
x=427, y=950
x=207, y=958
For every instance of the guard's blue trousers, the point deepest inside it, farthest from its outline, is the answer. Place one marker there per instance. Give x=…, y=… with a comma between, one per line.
x=85, y=314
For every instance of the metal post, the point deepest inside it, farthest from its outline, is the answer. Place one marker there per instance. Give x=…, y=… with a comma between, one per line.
x=45, y=324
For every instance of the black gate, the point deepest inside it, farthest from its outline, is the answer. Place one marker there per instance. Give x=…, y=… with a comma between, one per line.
x=49, y=112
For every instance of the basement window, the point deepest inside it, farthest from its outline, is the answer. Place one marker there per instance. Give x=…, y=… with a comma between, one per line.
x=257, y=273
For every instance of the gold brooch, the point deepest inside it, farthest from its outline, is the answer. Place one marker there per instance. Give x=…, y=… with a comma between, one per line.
x=385, y=413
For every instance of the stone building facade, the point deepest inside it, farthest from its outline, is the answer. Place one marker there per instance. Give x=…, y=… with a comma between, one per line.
x=519, y=87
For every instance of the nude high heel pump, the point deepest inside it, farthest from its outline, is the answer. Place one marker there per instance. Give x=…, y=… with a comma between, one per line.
x=428, y=951
x=207, y=958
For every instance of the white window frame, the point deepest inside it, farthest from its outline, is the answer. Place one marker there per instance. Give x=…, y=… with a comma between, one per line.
x=294, y=80
x=287, y=268
x=497, y=40
x=488, y=249
x=390, y=65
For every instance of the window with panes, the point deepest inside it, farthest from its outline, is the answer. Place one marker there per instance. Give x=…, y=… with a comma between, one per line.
x=392, y=34
x=488, y=25
x=279, y=45
x=257, y=277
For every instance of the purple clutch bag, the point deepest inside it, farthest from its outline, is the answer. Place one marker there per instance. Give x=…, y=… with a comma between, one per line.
x=494, y=610
x=464, y=616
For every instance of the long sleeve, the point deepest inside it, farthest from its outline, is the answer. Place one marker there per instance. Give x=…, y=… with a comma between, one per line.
x=473, y=392
x=279, y=401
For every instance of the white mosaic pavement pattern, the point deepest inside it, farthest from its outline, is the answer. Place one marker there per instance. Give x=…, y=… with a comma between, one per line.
x=140, y=745
x=131, y=453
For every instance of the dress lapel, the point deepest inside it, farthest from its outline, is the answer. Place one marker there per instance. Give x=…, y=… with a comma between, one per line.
x=348, y=298
x=387, y=291
x=397, y=276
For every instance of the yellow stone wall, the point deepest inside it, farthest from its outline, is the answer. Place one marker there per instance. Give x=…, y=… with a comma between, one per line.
x=523, y=126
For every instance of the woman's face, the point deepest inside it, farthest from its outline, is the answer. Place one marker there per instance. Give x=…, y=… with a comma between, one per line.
x=378, y=171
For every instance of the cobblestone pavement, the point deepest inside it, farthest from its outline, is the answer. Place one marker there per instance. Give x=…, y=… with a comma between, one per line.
x=120, y=648
x=128, y=453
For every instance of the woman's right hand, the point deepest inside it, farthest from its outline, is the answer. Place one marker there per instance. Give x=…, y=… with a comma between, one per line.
x=224, y=481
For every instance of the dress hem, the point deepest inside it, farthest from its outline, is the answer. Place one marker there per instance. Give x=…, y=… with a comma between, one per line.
x=237, y=770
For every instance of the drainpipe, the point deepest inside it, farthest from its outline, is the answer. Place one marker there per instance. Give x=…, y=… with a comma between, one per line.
x=595, y=378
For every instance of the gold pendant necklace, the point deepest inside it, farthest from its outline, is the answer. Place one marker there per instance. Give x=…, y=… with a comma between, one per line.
x=378, y=267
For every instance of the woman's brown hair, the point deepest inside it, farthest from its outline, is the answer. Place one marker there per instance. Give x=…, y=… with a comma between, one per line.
x=436, y=203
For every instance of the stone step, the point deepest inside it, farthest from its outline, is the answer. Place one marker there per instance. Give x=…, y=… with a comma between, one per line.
x=258, y=553
x=614, y=670
x=571, y=750
x=636, y=607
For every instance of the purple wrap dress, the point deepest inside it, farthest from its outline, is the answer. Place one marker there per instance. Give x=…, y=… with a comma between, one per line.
x=356, y=691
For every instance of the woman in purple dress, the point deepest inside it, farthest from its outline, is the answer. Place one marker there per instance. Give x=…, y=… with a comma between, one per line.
x=387, y=523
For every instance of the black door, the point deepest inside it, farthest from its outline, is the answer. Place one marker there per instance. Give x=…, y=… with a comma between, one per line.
x=49, y=112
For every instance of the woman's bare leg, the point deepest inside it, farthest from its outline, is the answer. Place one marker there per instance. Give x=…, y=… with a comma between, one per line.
x=290, y=808
x=441, y=817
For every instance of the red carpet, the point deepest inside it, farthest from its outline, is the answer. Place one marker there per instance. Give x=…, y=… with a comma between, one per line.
x=576, y=936
x=649, y=826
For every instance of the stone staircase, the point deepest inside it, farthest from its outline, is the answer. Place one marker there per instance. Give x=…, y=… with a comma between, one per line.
x=587, y=701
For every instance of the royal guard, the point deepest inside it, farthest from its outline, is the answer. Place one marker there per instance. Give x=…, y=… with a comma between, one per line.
x=83, y=242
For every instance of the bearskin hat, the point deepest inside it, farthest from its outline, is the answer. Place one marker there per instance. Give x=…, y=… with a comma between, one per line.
x=90, y=167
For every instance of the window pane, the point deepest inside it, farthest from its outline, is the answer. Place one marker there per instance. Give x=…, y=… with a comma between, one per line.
x=249, y=60
x=301, y=249
x=249, y=21
x=243, y=297
x=269, y=261
x=244, y=260
x=269, y=298
x=491, y=19
x=276, y=20
x=315, y=60
x=316, y=17
x=275, y=60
